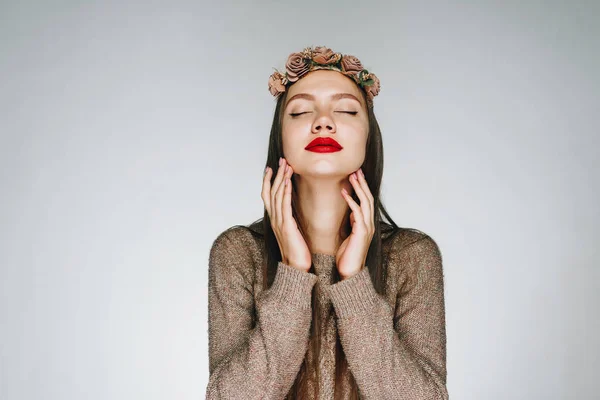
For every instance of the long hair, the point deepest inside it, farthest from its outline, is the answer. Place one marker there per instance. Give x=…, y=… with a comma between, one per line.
x=373, y=170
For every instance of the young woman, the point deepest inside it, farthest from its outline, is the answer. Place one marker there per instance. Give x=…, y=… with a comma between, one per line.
x=321, y=298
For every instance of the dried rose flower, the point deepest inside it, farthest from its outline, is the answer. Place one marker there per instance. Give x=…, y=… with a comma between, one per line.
x=324, y=55
x=276, y=83
x=351, y=64
x=373, y=90
x=296, y=66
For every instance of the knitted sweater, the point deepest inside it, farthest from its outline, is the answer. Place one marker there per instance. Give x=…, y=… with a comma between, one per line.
x=395, y=344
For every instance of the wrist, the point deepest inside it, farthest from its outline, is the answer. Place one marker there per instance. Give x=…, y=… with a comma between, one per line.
x=343, y=277
x=298, y=266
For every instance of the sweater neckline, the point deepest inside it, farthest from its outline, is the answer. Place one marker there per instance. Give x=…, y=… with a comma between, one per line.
x=323, y=263
x=323, y=257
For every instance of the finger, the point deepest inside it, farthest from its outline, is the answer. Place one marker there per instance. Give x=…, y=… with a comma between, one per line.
x=266, y=190
x=358, y=216
x=365, y=185
x=275, y=188
x=365, y=204
x=278, y=178
x=279, y=196
x=287, y=197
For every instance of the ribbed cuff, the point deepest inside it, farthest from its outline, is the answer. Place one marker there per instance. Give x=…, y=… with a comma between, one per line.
x=353, y=295
x=292, y=286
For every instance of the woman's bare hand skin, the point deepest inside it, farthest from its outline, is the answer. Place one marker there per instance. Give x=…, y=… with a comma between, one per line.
x=278, y=203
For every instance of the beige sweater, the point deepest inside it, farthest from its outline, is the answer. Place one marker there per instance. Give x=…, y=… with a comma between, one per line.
x=395, y=345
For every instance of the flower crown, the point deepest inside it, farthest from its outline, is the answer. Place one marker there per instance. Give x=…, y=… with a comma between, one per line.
x=310, y=59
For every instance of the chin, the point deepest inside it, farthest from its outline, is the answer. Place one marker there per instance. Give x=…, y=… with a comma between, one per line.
x=322, y=173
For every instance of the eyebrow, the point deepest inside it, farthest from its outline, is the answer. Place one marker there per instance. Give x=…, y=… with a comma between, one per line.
x=335, y=96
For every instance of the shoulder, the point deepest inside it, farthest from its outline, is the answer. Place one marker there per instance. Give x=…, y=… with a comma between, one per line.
x=234, y=237
x=235, y=249
x=412, y=251
x=411, y=240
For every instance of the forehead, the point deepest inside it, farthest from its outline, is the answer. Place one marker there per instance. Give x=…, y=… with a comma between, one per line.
x=324, y=83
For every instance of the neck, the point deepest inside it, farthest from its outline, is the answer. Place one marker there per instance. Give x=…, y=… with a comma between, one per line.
x=323, y=210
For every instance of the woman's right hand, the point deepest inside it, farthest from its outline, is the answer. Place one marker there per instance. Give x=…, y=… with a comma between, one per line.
x=278, y=203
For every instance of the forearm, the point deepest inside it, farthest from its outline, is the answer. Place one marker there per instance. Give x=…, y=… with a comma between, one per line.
x=265, y=364
x=383, y=365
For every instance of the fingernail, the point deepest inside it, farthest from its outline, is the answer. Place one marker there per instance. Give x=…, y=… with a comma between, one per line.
x=361, y=172
x=287, y=167
x=280, y=161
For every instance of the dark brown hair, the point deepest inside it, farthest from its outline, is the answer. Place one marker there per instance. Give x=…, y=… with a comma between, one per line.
x=373, y=169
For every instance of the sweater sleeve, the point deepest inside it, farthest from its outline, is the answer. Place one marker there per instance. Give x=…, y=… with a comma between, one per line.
x=255, y=348
x=400, y=353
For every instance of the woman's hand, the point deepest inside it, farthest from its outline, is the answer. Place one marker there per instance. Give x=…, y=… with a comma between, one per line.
x=278, y=203
x=352, y=253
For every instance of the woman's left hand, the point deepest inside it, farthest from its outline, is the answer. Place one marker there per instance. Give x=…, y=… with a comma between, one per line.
x=352, y=253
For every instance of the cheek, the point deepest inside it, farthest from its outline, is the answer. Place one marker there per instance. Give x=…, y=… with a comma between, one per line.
x=292, y=141
x=358, y=140
x=358, y=132
x=294, y=131
x=294, y=125
x=356, y=124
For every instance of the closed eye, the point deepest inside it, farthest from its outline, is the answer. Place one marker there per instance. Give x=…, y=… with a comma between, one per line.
x=306, y=112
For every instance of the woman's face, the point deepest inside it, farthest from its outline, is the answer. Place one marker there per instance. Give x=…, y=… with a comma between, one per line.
x=328, y=104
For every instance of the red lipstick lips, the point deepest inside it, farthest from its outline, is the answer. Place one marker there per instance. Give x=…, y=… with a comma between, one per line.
x=323, y=145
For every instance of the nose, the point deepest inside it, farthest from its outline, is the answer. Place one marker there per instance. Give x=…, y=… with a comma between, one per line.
x=324, y=120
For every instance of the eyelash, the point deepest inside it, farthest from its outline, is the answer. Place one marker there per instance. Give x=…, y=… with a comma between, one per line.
x=345, y=112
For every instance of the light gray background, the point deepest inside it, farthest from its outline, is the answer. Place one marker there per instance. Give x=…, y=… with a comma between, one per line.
x=132, y=135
